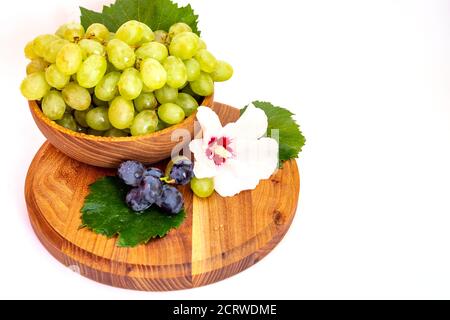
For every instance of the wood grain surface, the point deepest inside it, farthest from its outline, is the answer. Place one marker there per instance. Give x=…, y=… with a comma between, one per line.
x=109, y=152
x=220, y=237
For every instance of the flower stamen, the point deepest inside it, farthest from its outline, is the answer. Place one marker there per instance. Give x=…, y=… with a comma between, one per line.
x=219, y=150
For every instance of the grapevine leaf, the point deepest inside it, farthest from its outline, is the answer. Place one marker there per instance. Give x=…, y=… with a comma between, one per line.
x=106, y=213
x=157, y=14
x=291, y=139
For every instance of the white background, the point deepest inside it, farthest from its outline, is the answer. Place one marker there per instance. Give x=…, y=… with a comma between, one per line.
x=369, y=82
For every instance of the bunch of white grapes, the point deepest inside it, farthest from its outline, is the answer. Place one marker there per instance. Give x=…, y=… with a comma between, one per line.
x=132, y=82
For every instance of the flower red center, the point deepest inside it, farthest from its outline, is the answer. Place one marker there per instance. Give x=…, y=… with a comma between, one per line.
x=219, y=150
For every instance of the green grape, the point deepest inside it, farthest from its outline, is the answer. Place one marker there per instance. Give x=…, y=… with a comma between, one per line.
x=80, y=117
x=34, y=86
x=36, y=65
x=204, y=85
x=171, y=113
x=176, y=72
x=98, y=119
x=112, y=36
x=131, y=32
x=121, y=113
x=29, y=51
x=161, y=125
x=69, y=59
x=71, y=31
x=153, y=50
x=69, y=109
x=184, y=45
x=97, y=32
x=153, y=74
x=107, y=89
x=166, y=94
x=193, y=69
x=56, y=78
x=82, y=130
x=42, y=43
x=90, y=47
x=60, y=31
x=91, y=71
x=52, y=52
x=76, y=96
x=93, y=132
x=202, y=44
x=188, y=90
x=146, y=101
x=99, y=103
x=68, y=122
x=145, y=122
x=115, y=133
x=178, y=28
x=146, y=89
x=111, y=68
x=148, y=34
x=187, y=103
x=130, y=84
x=162, y=37
x=120, y=54
x=208, y=62
x=224, y=71
x=53, y=105
x=203, y=188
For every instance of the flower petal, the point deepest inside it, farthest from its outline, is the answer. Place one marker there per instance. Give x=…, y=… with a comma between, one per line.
x=268, y=157
x=252, y=124
x=227, y=183
x=210, y=123
x=256, y=160
x=203, y=167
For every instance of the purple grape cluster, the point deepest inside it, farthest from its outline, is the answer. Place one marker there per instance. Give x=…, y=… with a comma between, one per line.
x=150, y=189
x=131, y=172
x=182, y=171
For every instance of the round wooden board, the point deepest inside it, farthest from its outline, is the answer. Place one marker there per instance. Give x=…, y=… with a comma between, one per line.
x=220, y=238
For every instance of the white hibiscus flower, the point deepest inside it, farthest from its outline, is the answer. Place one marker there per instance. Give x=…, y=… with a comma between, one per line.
x=238, y=155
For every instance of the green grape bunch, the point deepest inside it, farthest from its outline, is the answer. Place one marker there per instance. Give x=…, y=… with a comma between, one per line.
x=129, y=83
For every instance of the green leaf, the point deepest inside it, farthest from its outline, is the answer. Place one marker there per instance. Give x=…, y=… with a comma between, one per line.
x=105, y=212
x=157, y=14
x=291, y=139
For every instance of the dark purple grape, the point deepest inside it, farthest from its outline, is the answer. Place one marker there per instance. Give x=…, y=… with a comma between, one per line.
x=154, y=172
x=171, y=200
x=151, y=187
x=131, y=172
x=182, y=171
x=136, y=200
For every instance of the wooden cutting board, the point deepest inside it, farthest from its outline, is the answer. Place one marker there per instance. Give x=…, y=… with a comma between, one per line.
x=220, y=238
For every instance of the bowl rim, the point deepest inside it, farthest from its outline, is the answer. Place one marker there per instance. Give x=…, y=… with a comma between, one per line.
x=36, y=110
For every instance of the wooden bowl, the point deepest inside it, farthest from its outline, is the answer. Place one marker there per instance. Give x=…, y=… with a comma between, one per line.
x=109, y=152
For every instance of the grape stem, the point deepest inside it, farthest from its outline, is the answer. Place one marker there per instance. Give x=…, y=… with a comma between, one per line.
x=168, y=180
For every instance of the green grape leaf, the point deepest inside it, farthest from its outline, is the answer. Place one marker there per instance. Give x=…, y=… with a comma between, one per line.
x=105, y=212
x=157, y=14
x=291, y=139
